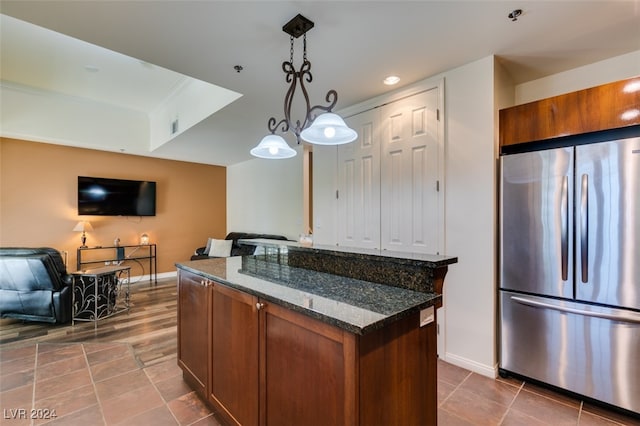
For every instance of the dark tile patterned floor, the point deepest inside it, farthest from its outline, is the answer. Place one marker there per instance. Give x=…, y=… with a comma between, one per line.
x=89, y=384
x=466, y=398
x=93, y=384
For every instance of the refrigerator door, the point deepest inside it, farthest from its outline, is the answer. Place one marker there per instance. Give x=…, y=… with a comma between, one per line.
x=586, y=349
x=607, y=200
x=537, y=222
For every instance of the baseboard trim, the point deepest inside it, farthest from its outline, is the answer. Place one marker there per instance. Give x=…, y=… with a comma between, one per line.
x=476, y=367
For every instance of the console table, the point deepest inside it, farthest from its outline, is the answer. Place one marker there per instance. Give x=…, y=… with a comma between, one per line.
x=116, y=255
x=98, y=293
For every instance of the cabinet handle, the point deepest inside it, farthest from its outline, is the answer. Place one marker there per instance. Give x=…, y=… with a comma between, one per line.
x=259, y=305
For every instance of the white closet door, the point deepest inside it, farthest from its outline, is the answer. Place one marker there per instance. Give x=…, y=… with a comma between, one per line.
x=409, y=193
x=359, y=184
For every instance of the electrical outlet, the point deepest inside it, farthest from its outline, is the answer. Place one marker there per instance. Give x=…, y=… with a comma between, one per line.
x=427, y=316
x=106, y=263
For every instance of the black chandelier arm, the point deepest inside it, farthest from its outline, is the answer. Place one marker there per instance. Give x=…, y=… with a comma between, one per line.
x=288, y=99
x=273, y=126
x=331, y=97
x=303, y=74
x=290, y=77
x=305, y=70
x=289, y=70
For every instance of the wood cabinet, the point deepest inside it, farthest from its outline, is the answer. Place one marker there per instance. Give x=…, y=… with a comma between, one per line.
x=270, y=365
x=308, y=371
x=194, y=329
x=609, y=106
x=234, y=355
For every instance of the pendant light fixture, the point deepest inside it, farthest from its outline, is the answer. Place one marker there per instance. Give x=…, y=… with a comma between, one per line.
x=319, y=126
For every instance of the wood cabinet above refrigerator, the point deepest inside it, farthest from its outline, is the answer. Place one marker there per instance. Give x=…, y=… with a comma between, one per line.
x=609, y=106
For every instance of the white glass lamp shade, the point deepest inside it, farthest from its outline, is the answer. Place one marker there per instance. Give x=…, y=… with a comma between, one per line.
x=273, y=147
x=83, y=226
x=328, y=129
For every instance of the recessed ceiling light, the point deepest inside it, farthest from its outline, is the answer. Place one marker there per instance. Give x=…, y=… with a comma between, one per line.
x=391, y=80
x=91, y=68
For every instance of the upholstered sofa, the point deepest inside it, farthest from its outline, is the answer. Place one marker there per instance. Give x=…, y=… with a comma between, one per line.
x=34, y=285
x=237, y=249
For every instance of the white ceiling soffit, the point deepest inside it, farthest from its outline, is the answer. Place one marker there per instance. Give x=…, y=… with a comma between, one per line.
x=39, y=60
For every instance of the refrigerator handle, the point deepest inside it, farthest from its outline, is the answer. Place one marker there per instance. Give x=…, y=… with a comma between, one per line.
x=584, y=228
x=630, y=317
x=564, y=231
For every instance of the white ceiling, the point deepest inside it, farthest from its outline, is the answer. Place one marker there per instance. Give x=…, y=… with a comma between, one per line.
x=354, y=45
x=43, y=59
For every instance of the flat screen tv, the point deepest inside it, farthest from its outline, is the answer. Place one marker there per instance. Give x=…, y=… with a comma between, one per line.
x=116, y=197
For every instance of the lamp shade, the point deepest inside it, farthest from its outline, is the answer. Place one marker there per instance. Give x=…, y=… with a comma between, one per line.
x=273, y=147
x=328, y=129
x=83, y=226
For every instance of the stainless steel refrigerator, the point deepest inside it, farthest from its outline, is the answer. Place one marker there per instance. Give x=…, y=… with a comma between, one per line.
x=570, y=269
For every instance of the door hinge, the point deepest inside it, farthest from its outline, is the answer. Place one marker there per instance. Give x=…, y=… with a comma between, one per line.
x=437, y=186
x=337, y=194
x=438, y=114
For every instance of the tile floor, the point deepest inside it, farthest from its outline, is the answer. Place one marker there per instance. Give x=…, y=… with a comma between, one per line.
x=93, y=384
x=466, y=398
x=90, y=384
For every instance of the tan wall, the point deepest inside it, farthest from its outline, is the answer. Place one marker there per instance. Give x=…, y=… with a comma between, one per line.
x=38, y=201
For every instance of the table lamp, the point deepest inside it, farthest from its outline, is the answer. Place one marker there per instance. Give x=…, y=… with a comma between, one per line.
x=83, y=226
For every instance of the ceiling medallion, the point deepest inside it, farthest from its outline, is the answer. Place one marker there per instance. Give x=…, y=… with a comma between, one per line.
x=319, y=126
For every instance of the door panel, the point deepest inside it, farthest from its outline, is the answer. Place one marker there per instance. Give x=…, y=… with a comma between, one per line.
x=608, y=223
x=537, y=222
x=410, y=199
x=359, y=185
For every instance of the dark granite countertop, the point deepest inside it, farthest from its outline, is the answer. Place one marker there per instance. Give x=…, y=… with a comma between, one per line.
x=353, y=305
x=415, y=259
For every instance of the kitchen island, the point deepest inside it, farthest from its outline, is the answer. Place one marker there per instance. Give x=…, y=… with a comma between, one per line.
x=264, y=342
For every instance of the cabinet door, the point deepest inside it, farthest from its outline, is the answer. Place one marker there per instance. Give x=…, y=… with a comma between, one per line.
x=234, y=355
x=410, y=200
x=306, y=371
x=194, y=329
x=359, y=184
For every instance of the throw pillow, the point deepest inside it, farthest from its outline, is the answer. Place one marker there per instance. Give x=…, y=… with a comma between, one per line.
x=220, y=248
x=208, y=246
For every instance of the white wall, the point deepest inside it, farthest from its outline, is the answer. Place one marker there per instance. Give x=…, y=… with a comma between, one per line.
x=607, y=71
x=470, y=217
x=265, y=196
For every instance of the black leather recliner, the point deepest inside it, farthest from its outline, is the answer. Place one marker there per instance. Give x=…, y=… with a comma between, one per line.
x=237, y=249
x=34, y=285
